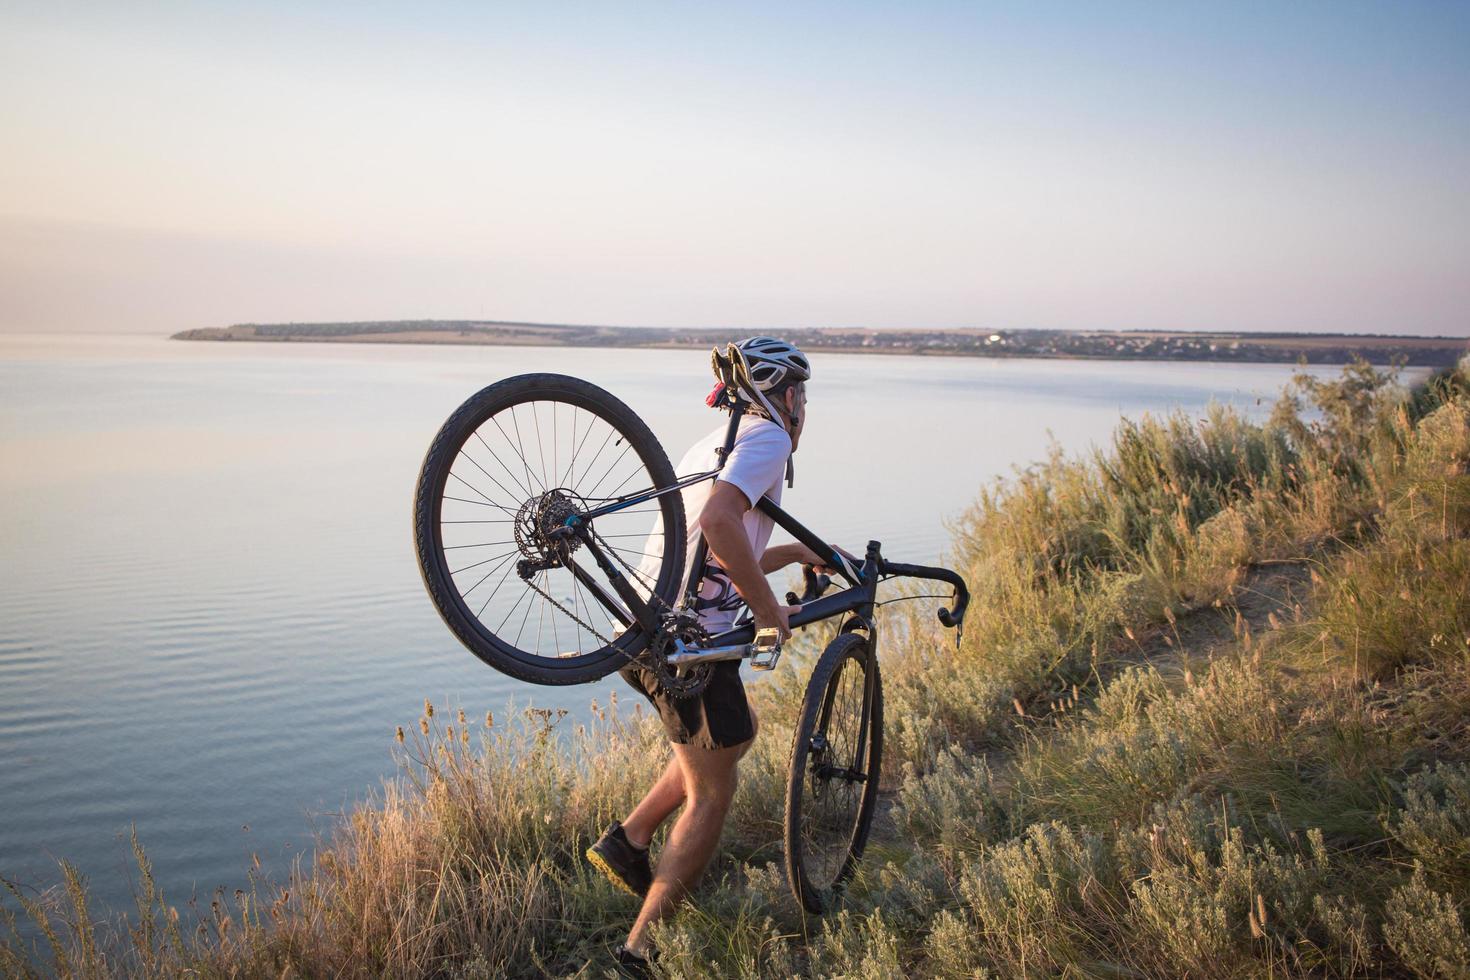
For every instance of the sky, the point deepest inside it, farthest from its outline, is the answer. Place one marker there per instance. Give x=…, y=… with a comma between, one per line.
x=1237, y=166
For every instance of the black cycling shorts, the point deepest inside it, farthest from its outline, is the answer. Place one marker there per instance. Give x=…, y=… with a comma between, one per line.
x=718, y=718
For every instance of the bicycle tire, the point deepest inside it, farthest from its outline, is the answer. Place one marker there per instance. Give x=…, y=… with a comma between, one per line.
x=817, y=880
x=496, y=401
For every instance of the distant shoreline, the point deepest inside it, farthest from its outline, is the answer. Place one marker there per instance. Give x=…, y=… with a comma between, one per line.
x=1261, y=348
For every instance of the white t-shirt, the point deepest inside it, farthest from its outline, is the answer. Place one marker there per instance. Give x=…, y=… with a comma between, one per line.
x=756, y=467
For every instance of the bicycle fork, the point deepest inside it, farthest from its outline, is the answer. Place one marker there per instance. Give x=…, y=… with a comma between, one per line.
x=862, y=620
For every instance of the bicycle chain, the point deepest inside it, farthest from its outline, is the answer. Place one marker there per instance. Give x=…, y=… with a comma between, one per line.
x=571, y=615
x=695, y=677
x=565, y=556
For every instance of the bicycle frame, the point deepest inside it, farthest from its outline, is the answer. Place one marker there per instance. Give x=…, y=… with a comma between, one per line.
x=739, y=641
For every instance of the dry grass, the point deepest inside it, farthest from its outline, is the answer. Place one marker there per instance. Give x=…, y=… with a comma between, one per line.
x=1149, y=758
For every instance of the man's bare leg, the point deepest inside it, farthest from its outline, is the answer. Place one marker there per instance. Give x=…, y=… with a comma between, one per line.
x=709, y=780
x=663, y=798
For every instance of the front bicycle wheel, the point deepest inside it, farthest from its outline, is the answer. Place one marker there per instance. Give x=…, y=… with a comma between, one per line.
x=833, y=781
x=498, y=484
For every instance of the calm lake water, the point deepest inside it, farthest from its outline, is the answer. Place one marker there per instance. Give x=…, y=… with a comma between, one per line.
x=210, y=615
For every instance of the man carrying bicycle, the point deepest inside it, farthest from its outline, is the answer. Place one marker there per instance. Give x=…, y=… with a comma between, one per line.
x=711, y=731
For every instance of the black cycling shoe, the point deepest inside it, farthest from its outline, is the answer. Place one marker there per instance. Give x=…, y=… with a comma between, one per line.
x=626, y=866
x=630, y=964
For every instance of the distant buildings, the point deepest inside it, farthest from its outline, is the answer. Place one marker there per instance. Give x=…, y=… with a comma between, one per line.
x=1141, y=345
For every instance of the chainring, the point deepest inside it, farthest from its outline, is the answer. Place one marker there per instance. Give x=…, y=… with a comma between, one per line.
x=684, y=682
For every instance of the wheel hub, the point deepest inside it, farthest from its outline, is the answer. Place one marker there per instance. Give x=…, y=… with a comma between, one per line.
x=541, y=530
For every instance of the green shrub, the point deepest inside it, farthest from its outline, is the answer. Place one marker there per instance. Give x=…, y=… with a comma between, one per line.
x=856, y=948
x=951, y=952
x=1035, y=900
x=1426, y=931
x=1434, y=824
x=952, y=806
x=1396, y=603
x=1211, y=897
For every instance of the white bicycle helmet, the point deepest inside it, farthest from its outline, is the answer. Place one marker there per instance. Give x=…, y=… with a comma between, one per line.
x=769, y=362
x=763, y=364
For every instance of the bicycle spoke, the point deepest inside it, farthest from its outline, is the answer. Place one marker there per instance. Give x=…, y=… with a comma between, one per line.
x=578, y=598
x=630, y=551
x=479, y=563
x=480, y=492
x=475, y=463
x=636, y=471
x=571, y=474
x=593, y=461
x=540, y=618
x=486, y=603
x=520, y=447
x=515, y=421
x=465, y=594
x=478, y=503
x=525, y=618
x=525, y=490
x=615, y=462
x=540, y=447
x=514, y=606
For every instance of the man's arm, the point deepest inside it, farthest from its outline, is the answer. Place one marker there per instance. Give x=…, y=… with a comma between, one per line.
x=722, y=521
x=779, y=556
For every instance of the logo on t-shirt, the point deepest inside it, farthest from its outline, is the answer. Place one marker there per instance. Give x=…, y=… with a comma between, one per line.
x=717, y=594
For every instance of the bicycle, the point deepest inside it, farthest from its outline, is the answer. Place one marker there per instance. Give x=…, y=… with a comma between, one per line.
x=560, y=507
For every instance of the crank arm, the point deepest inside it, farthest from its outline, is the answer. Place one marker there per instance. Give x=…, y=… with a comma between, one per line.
x=763, y=653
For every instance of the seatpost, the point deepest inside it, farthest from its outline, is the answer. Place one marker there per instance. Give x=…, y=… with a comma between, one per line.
x=737, y=409
x=701, y=550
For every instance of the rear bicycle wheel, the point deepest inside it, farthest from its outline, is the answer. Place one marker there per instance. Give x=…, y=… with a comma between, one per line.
x=832, y=784
x=500, y=478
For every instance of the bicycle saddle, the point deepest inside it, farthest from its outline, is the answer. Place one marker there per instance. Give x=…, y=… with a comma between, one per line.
x=723, y=366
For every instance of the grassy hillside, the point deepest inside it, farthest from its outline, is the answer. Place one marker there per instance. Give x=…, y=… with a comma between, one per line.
x=1209, y=719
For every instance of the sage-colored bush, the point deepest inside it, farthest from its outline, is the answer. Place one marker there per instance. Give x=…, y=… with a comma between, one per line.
x=1426, y=930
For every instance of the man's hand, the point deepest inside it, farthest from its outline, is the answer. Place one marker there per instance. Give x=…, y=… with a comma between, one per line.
x=819, y=564
x=777, y=616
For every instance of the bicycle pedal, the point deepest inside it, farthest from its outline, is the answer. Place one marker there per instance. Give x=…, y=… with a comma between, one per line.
x=766, y=650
